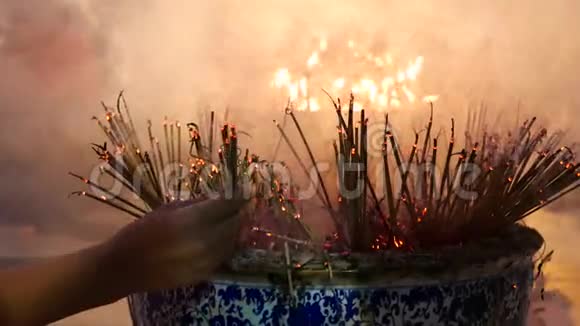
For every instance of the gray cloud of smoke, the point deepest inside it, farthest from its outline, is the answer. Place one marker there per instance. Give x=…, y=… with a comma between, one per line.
x=59, y=58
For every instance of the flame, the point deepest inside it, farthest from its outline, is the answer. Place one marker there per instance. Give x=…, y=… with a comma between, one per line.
x=282, y=79
x=384, y=85
x=410, y=96
x=303, y=84
x=430, y=98
x=323, y=45
x=414, y=68
x=383, y=100
x=387, y=83
x=400, y=77
x=293, y=90
x=398, y=243
x=339, y=83
x=314, y=105
x=313, y=60
x=395, y=102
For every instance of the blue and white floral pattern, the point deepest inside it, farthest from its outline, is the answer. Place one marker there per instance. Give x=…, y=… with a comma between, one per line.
x=499, y=300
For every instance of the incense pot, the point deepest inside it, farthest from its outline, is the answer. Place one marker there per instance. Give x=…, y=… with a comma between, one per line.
x=476, y=267
x=484, y=283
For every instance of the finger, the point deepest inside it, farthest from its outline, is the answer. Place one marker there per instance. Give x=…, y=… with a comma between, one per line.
x=212, y=212
x=176, y=204
x=189, y=266
x=222, y=245
x=223, y=234
x=200, y=240
x=218, y=255
x=208, y=258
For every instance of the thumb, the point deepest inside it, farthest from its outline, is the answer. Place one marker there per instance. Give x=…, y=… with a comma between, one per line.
x=176, y=204
x=212, y=211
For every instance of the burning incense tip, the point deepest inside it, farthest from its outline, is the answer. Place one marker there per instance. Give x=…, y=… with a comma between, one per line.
x=415, y=211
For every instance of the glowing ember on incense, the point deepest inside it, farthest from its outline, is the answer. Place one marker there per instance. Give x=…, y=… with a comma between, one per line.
x=437, y=192
x=376, y=79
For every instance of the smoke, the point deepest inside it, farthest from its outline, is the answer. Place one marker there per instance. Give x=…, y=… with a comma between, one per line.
x=473, y=50
x=59, y=58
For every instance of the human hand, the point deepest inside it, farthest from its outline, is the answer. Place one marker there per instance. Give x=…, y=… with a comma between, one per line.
x=178, y=244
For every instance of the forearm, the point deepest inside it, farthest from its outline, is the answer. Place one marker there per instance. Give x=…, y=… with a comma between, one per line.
x=58, y=287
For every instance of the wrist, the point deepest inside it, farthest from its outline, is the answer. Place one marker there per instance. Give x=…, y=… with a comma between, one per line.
x=113, y=275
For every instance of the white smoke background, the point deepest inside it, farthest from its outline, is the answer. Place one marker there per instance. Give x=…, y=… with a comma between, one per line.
x=59, y=58
x=549, y=307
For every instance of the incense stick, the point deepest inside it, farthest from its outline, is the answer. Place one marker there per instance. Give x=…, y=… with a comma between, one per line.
x=519, y=176
x=107, y=202
x=312, y=159
x=106, y=191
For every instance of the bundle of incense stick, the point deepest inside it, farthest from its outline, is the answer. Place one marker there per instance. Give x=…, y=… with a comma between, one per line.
x=431, y=197
x=426, y=198
x=159, y=174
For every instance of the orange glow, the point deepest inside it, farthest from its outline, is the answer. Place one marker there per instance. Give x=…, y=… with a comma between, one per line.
x=339, y=83
x=398, y=243
x=386, y=84
x=312, y=60
x=323, y=45
x=430, y=98
x=314, y=105
x=282, y=78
